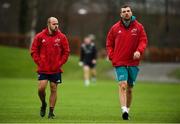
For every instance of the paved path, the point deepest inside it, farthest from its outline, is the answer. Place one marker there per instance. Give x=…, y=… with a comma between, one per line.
x=157, y=72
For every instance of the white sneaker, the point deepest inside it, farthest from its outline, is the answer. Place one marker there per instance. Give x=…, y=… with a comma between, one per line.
x=86, y=82
x=93, y=79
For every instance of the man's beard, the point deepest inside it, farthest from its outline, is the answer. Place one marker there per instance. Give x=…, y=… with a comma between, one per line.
x=127, y=19
x=54, y=30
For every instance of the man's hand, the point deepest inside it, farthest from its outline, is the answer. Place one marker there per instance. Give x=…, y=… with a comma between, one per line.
x=80, y=63
x=94, y=61
x=137, y=55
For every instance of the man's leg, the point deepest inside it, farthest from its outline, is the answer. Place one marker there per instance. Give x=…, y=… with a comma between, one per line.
x=42, y=95
x=129, y=96
x=93, y=73
x=52, y=98
x=132, y=75
x=123, y=98
x=122, y=76
x=86, y=75
x=122, y=93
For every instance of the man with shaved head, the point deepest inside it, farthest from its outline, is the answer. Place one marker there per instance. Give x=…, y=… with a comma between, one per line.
x=49, y=50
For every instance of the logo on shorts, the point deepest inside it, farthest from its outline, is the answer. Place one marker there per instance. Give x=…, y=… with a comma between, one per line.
x=58, y=81
x=121, y=76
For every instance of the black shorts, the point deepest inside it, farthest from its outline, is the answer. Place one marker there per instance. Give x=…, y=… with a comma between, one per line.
x=90, y=64
x=56, y=78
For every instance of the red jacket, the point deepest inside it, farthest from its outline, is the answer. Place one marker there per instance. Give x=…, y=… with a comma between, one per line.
x=50, y=52
x=123, y=42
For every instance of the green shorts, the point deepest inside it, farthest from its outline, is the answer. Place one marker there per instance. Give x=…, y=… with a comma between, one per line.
x=127, y=73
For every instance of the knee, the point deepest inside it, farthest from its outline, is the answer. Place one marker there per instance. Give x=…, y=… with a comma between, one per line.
x=41, y=89
x=86, y=68
x=53, y=89
x=123, y=86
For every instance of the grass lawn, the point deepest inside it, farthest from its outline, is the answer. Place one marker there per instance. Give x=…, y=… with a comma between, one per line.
x=19, y=102
x=98, y=103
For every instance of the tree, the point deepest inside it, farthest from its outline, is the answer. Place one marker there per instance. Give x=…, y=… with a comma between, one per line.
x=23, y=16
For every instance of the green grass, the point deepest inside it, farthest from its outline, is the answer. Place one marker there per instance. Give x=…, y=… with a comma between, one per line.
x=98, y=103
x=152, y=101
x=17, y=63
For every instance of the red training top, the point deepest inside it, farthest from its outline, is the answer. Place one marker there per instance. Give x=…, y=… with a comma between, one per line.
x=122, y=42
x=50, y=52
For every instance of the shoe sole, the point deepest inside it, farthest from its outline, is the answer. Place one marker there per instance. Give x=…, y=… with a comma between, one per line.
x=125, y=116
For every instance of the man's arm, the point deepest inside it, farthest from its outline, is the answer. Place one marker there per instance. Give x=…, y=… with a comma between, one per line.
x=65, y=50
x=81, y=53
x=35, y=50
x=94, y=52
x=110, y=44
x=142, y=41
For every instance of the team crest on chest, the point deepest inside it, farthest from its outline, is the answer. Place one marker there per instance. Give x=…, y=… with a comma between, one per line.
x=134, y=31
x=57, y=41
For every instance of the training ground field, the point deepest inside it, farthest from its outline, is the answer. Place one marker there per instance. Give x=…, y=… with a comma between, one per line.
x=152, y=102
x=97, y=103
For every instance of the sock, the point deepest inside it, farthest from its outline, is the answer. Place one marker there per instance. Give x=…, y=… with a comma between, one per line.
x=42, y=96
x=44, y=104
x=128, y=110
x=124, y=109
x=86, y=82
x=93, y=79
x=51, y=109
